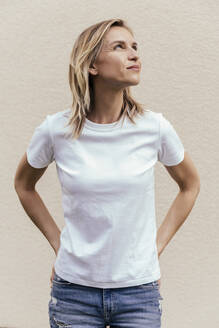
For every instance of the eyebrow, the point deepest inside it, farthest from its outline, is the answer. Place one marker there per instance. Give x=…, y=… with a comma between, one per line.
x=134, y=43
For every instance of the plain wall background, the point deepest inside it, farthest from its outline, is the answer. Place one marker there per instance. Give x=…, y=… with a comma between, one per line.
x=179, y=52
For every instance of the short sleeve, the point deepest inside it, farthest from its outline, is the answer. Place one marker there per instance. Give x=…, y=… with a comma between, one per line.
x=40, y=151
x=171, y=150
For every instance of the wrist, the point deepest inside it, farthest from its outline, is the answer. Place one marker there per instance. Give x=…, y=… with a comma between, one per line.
x=56, y=249
x=159, y=250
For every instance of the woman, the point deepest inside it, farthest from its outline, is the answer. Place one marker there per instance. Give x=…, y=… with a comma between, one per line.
x=105, y=147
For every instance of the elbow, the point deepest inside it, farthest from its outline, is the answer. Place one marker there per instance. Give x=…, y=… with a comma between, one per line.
x=17, y=186
x=21, y=187
x=193, y=186
x=196, y=189
x=197, y=185
x=18, y=183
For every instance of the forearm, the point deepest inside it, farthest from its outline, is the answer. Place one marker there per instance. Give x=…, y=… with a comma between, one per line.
x=176, y=215
x=40, y=216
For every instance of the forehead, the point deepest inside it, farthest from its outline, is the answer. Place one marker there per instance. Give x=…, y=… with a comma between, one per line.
x=118, y=33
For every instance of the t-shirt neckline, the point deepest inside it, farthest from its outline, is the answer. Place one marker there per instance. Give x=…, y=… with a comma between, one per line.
x=103, y=126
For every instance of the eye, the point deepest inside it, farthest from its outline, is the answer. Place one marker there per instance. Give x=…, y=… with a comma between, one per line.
x=134, y=47
x=117, y=46
x=120, y=45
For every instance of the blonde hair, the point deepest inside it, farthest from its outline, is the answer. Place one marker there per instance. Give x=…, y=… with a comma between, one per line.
x=85, y=50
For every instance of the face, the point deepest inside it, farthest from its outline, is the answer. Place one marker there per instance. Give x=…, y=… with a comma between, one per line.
x=111, y=65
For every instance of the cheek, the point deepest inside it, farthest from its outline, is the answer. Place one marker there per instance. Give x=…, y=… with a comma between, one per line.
x=114, y=69
x=112, y=66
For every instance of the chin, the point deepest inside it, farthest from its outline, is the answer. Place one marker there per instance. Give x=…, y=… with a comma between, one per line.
x=134, y=82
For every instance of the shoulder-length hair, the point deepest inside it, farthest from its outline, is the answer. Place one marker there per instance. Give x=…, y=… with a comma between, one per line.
x=85, y=50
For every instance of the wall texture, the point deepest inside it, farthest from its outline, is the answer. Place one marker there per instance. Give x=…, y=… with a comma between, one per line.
x=179, y=52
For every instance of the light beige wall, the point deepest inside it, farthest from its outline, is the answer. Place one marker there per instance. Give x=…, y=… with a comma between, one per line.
x=179, y=51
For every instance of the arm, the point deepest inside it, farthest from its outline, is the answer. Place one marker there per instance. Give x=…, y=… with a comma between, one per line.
x=187, y=178
x=25, y=180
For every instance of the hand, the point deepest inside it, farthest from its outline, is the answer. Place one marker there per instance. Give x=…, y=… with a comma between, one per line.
x=52, y=275
x=159, y=282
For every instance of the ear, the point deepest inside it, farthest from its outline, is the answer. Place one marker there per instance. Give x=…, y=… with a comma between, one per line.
x=93, y=70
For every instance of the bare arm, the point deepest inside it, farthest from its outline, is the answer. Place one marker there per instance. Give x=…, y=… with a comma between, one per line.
x=187, y=178
x=25, y=180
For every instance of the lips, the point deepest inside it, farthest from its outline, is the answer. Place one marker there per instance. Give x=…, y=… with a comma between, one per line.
x=134, y=66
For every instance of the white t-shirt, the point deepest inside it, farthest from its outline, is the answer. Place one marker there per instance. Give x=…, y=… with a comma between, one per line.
x=107, y=182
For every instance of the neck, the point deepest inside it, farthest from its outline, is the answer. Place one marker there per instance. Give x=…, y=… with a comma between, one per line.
x=108, y=103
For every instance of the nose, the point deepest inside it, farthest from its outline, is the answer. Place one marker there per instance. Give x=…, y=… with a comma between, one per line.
x=132, y=54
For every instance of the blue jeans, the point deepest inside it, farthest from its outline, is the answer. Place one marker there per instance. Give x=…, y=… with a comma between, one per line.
x=73, y=305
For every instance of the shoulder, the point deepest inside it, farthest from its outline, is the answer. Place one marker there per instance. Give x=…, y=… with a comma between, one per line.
x=58, y=120
x=59, y=117
x=149, y=118
x=158, y=119
x=155, y=116
x=150, y=114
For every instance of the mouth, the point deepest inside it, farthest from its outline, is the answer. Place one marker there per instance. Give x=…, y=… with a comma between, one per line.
x=134, y=67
